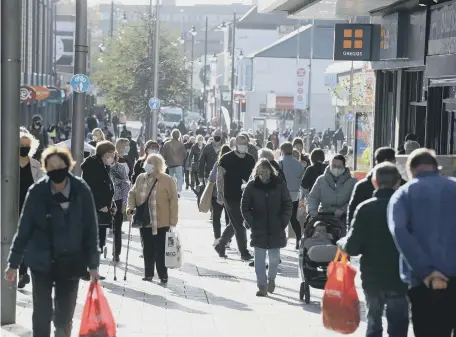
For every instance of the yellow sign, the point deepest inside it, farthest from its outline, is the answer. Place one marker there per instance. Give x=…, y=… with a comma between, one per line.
x=353, y=39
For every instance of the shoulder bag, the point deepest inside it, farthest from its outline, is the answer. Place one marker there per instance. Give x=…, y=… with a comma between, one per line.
x=141, y=217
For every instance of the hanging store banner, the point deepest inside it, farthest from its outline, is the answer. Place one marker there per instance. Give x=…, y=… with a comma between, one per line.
x=352, y=42
x=27, y=94
x=301, y=85
x=42, y=93
x=55, y=96
x=362, y=149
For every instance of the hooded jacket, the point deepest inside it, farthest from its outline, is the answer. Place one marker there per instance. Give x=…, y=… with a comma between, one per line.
x=330, y=194
x=267, y=209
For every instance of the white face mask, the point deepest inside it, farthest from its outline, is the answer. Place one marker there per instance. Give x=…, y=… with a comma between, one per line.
x=151, y=151
x=149, y=168
x=336, y=172
x=241, y=148
x=95, y=138
x=109, y=161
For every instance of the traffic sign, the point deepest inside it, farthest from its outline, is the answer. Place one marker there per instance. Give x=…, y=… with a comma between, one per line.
x=154, y=103
x=349, y=117
x=80, y=83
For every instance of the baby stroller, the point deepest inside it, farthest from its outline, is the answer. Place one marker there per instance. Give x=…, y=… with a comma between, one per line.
x=313, y=263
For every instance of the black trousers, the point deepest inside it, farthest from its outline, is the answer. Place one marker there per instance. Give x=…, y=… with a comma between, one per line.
x=117, y=228
x=154, y=252
x=294, y=221
x=236, y=226
x=434, y=311
x=66, y=293
x=216, y=217
x=22, y=268
x=102, y=236
x=187, y=177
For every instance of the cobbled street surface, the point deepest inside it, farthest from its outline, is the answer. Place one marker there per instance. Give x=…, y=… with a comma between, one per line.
x=208, y=296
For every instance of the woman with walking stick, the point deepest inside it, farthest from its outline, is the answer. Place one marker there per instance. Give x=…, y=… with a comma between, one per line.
x=158, y=191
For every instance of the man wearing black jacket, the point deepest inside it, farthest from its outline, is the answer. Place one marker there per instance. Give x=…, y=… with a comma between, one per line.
x=364, y=189
x=317, y=157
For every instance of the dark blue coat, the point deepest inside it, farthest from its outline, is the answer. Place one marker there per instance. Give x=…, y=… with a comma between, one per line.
x=73, y=232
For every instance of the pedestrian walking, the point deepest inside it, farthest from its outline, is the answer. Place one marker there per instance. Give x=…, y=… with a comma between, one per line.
x=251, y=149
x=294, y=173
x=266, y=207
x=234, y=169
x=421, y=217
x=317, y=157
x=174, y=153
x=194, y=158
x=209, y=156
x=122, y=151
x=39, y=132
x=364, y=188
x=369, y=236
x=151, y=147
x=132, y=154
x=159, y=191
x=30, y=173
x=217, y=208
x=188, y=147
x=97, y=136
x=331, y=192
x=121, y=182
x=298, y=144
x=95, y=172
x=56, y=206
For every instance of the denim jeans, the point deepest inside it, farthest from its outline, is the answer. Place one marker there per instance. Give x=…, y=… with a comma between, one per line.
x=397, y=312
x=178, y=174
x=260, y=265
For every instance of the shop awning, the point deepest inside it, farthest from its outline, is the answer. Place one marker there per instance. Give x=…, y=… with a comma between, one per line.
x=42, y=93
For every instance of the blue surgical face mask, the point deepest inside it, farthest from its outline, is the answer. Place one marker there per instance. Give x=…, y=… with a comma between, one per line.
x=149, y=168
x=127, y=149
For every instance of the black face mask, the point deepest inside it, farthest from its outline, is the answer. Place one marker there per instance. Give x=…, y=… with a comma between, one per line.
x=217, y=139
x=59, y=175
x=24, y=151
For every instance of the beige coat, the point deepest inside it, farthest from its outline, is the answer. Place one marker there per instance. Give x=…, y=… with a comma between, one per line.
x=166, y=197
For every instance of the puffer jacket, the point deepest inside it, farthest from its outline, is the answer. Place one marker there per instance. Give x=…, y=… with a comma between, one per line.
x=330, y=194
x=267, y=209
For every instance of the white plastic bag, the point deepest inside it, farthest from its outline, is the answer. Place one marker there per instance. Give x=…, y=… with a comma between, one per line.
x=173, y=249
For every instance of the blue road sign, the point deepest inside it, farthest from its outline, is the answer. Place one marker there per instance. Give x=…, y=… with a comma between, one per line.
x=80, y=83
x=154, y=103
x=349, y=117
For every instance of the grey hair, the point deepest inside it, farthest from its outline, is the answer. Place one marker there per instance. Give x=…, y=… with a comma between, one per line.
x=411, y=146
x=263, y=163
x=386, y=175
x=266, y=153
x=34, y=143
x=176, y=134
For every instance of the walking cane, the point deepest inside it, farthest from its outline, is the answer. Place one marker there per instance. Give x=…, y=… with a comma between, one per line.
x=128, y=248
x=114, y=251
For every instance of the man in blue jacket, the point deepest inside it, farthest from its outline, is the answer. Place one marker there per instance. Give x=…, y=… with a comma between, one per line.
x=422, y=219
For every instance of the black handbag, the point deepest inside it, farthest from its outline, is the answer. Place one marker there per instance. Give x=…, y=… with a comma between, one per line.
x=70, y=266
x=141, y=217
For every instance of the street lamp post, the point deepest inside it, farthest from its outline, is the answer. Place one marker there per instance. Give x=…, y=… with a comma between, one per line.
x=233, y=46
x=205, y=71
x=111, y=24
x=193, y=33
x=156, y=68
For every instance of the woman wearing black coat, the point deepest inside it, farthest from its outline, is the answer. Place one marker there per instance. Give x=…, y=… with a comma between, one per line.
x=150, y=147
x=266, y=207
x=95, y=172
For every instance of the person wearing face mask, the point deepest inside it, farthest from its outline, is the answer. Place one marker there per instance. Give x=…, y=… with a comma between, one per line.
x=266, y=207
x=188, y=143
x=209, y=156
x=151, y=147
x=193, y=159
x=332, y=190
x=123, y=149
x=251, y=149
x=39, y=132
x=159, y=189
x=57, y=237
x=30, y=173
x=95, y=172
x=97, y=136
x=234, y=168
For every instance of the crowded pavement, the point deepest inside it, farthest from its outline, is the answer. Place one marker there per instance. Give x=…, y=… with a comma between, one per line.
x=208, y=296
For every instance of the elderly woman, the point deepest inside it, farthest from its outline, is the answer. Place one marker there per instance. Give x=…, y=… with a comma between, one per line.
x=332, y=190
x=97, y=136
x=95, y=172
x=151, y=147
x=121, y=182
x=266, y=208
x=160, y=191
x=57, y=236
x=30, y=173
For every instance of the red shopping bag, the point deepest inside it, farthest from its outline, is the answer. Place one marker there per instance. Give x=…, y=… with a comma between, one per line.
x=340, y=301
x=97, y=319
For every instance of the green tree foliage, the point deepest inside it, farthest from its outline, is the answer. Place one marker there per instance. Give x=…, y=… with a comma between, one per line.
x=124, y=70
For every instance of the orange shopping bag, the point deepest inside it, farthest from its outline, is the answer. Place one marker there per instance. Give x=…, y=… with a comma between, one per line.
x=340, y=300
x=97, y=320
